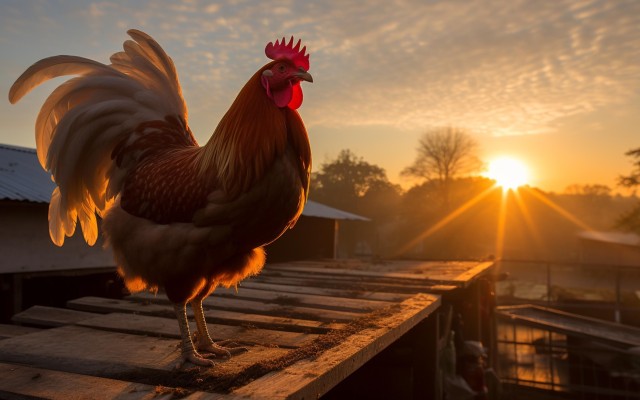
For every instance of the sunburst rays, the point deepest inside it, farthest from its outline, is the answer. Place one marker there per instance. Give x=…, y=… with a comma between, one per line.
x=511, y=204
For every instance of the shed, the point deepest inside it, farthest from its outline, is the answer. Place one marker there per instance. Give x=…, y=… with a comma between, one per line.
x=25, y=190
x=609, y=248
x=317, y=235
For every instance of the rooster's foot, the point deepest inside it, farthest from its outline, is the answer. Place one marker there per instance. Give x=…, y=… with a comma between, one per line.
x=220, y=349
x=195, y=359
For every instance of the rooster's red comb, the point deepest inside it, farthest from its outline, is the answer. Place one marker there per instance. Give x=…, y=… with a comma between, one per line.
x=280, y=50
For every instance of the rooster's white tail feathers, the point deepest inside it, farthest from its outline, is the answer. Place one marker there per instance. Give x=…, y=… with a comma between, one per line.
x=83, y=120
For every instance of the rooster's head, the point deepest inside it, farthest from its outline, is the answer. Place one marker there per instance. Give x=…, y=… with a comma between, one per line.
x=281, y=78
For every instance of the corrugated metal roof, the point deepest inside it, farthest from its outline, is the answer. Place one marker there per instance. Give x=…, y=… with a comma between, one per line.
x=23, y=179
x=21, y=176
x=314, y=209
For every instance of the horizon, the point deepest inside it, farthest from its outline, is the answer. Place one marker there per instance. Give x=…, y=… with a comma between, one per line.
x=554, y=85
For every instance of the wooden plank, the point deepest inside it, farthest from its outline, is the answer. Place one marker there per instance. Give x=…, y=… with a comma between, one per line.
x=467, y=277
x=100, y=305
x=121, y=356
x=323, y=291
x=433, y=270
x=8, y=331
x=311, y=378
x=449, y=273
x=302, y=299
x=22, y=382
x=347, y=272
x=50, y=316
x=258, y=307
x=355, y=283
x=571, y=324
x=168, y=327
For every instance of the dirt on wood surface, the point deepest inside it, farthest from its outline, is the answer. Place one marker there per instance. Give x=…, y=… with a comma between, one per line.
x=184, y=382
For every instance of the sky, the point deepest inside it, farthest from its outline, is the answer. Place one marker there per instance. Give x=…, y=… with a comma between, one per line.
x=553, y=83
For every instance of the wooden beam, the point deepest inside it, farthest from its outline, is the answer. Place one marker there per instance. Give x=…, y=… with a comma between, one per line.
x=303, y=299
x=571, y=324
x=101, y=305
x=168, y=327
x=22, y=382
x=323, y=291
x=51, y=316
x=8, y=331
x=292, y=308
x=311, y=378
x=354, y=283
x=115, y=355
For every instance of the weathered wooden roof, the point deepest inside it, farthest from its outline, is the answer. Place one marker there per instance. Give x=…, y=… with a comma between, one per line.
x=318, y=210
x=571, y=324
x=621, y=238
x=307, y=326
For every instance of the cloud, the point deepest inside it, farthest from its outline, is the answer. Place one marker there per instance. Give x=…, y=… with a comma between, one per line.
x=490, y=67
x=493, y=66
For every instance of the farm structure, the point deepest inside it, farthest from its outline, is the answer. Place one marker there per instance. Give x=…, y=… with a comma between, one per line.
x=331, y=329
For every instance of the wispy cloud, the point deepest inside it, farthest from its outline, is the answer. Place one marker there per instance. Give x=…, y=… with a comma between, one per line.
x=493, y=66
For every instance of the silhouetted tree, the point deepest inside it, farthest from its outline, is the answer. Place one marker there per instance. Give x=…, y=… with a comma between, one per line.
x=631, y=220
x=352, y=184
x=349, y=183
x=443, y=154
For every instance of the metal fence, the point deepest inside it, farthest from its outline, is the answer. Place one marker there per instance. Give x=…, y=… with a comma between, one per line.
x=538, y=356
x=610, y=292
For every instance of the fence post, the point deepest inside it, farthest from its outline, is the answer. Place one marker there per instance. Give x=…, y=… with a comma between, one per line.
x=618, y=295
x=548, y=284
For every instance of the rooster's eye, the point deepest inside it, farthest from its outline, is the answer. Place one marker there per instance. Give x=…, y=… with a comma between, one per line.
x=281, y=68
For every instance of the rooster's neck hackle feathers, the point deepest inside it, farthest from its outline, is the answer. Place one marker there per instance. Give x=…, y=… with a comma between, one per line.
x=248, y=138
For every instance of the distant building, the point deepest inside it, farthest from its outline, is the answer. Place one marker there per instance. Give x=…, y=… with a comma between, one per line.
x=318, y=234
x=609, y=248
x=25, y=190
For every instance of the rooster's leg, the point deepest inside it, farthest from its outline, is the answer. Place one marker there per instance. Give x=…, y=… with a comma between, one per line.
x=204, y=343
x=188, y=351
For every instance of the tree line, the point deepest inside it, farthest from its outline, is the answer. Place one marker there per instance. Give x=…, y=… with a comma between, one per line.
x=454, y=213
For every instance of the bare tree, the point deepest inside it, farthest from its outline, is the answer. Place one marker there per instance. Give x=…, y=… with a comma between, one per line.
x=631, y=220
x=443, y=154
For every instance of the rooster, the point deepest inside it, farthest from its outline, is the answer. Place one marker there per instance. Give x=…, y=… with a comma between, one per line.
x=176, y=215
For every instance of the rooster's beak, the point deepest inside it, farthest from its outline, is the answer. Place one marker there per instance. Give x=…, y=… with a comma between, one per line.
x=304, y=75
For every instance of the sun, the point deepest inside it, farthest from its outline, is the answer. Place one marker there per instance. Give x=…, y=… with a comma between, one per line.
x=508, y=173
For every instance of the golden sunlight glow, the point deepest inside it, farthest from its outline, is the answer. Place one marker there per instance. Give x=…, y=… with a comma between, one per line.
x=508, y=172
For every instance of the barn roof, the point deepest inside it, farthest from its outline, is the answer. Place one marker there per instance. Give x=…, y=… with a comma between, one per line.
x=623, y=238
x=23, y=179
x=21, y=176
x=314, y=209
